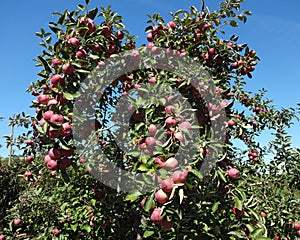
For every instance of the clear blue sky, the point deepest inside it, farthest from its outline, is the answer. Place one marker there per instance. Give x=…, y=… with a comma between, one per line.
x=273, y=31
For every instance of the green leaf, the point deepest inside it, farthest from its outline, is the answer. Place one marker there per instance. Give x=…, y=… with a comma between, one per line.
x=68, y=96
x=215, y=206
x=149, y=203
x=133, y=195
x=233, y=23
x=197, y=174
x=148, y=234
x=238, y=203
x=45, y=64
x=87, y=228
x=144, y=168
x=92, y=14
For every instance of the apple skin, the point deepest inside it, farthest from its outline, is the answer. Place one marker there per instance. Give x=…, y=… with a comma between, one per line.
x=230, y=123
x=152, y=80
x=160, y=162
x=156, y=216
x=150, y=141
x=2, y=237
x=29, y=159
x=57, y=119
x=74, y=42
x=233, y=173
x=170, y=164
x=170, y=109
x=171, y=121
x=68, y=68
x=263, y=214
x=161, y=196
x=185, y=125
x=57, y=79
x=55, y=231
x=171, y=24
x=81, y=53
x=120, y=35
x=65, y=162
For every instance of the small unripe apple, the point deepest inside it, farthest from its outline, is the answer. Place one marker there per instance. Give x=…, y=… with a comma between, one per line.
x=263, y=214
x=233, y=173
x=156, y=216
x=167, y=185
x=171, y=163
x=161, y=196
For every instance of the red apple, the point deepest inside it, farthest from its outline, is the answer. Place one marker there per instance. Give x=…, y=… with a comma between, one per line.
x=57, y=79
x=152, y=129
x=106, y=32
x=171, y=121
x=179, y=136
x=17, y=221
x=167, y=185
x=230, y=123
x=233, y=173
x=263, y=214
x=65, y=162
x=66, y=129
x=297, y=225
x=120, y=35
x=161, y=196
x=156, y=216
x=149, y=37
x=68, y=68
x=185, y=125
x=81, y=53
x=160, y=162
x=152, y=80
x=52, y=164
x=211, y=51
x=48, y=114
x=150, y=141
x=55, y=231
x=29, y=159
x=57, y=119
x=74, y=41
x=170, y=109
x=170, y=164
x=54, y=153
x=171, y=25
x=53, y=133
x=166, y=224
x=179, y=176
x=43, y=99
x=2, y=237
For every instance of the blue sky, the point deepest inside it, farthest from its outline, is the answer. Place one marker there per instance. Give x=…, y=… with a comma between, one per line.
x=273, y=31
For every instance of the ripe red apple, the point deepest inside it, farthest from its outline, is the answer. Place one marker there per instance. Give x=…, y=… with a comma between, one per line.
x=68, y=68
x=171, y=24
x=156, y=215
x=297, y=225
x=106, y=32
x=170, y=109
x=2, y=237
x=240, y=62
x=179, y=176
x=185, y=125
x=65, y=162
x=74, y=41
x=167, y=185
x=53, y=133
x=263, y=214
x=52, y=102
x=81, y=53
x=120, y=35
x=149, y=37
x=179, y=136
x=55, y=231
x=233, y=173
x=237, y=212
x=150, y=141
x=96, y=48
x=57, y=79
x=68, y=152
x=160, y=162
x=27, y=176
x=48, y=114
x=17, y=221
x=54, y=153
x=52, y=164
x=244, y=71
x=230, y=123
x=171, y=121
x=170, y=164
x=152, y=129
x=29, y=159
x=43, y=99
x=211, y=51
x=161, y=196
x=66, y=129
x=152, y=80
x=57, y=118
